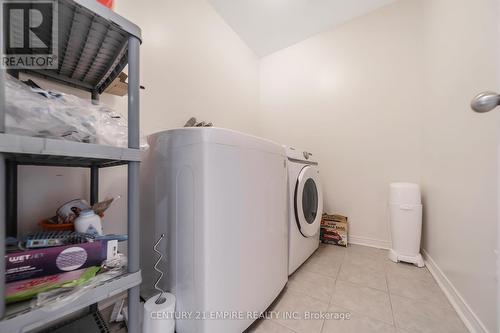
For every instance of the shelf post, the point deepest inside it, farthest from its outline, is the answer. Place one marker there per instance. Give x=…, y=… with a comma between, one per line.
x=2, y=99
x=2, y=188
x=95, y=97
x=2, y=233
x=133, y=182
x=11, y=168
x=94, y=184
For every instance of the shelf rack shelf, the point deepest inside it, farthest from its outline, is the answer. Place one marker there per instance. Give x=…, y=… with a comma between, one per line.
x=51, y=152
x=95, y=44
x=92, y=45
x=24, y=319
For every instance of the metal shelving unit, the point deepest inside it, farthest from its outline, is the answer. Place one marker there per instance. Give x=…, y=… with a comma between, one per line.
x=95, y=44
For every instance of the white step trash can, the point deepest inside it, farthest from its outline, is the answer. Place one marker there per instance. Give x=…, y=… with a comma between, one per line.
x=405, y=208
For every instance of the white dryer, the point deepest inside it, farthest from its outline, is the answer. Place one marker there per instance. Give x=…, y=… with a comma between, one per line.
x=305, y=206
x=220, y=198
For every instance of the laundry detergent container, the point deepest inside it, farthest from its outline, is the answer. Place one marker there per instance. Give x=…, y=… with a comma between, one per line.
x=405, y=208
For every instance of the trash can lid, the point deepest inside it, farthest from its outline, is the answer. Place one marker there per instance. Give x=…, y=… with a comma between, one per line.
x=404, y=193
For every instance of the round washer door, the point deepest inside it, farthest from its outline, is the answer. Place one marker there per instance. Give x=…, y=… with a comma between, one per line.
x=308, y=201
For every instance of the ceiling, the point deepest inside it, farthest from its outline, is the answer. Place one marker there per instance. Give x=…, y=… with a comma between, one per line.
x=270, y=25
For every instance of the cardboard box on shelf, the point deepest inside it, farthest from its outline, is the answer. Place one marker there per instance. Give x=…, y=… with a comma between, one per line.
x=35, y=263
x=334, y=229
x=119, y=87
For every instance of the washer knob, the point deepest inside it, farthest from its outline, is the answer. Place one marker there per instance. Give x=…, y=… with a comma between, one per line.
x=307, y=155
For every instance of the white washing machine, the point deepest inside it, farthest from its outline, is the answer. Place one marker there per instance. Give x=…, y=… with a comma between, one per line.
x=220, y=198
x=305, y=206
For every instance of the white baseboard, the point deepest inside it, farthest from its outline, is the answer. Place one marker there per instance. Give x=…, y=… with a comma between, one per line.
x=371, y=242
x=470, y=319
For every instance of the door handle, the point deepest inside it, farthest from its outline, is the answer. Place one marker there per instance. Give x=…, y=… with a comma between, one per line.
x=485, y=101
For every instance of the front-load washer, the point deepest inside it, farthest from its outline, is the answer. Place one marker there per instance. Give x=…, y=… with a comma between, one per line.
x=219, y=196
x=305, y=206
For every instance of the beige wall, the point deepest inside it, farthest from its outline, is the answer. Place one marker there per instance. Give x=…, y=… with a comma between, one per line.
x=386, y=98
x=351, y=96
x=192, y=64
x=460, y=148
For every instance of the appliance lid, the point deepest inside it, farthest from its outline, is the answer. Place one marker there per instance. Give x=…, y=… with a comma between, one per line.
x=185, y=136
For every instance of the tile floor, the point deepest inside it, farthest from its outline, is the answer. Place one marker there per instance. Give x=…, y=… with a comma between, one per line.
x=378, y=295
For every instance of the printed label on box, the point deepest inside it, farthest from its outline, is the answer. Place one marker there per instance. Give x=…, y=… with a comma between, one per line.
x=334, y=229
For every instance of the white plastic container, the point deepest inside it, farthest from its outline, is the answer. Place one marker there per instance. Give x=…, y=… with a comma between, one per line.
x=88, y=222
x=406, y=223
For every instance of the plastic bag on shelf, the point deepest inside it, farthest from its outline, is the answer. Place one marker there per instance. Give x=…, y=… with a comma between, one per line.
x=61, y=297
x=112, y=128
x=44, y=115
x=32, y=111
x=118, y=262
x=27, y=289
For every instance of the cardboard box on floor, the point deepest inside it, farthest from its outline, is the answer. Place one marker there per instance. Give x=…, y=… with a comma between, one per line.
x=334, y=229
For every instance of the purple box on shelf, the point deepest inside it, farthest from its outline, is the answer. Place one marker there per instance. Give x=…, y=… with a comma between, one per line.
x=53, y=260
